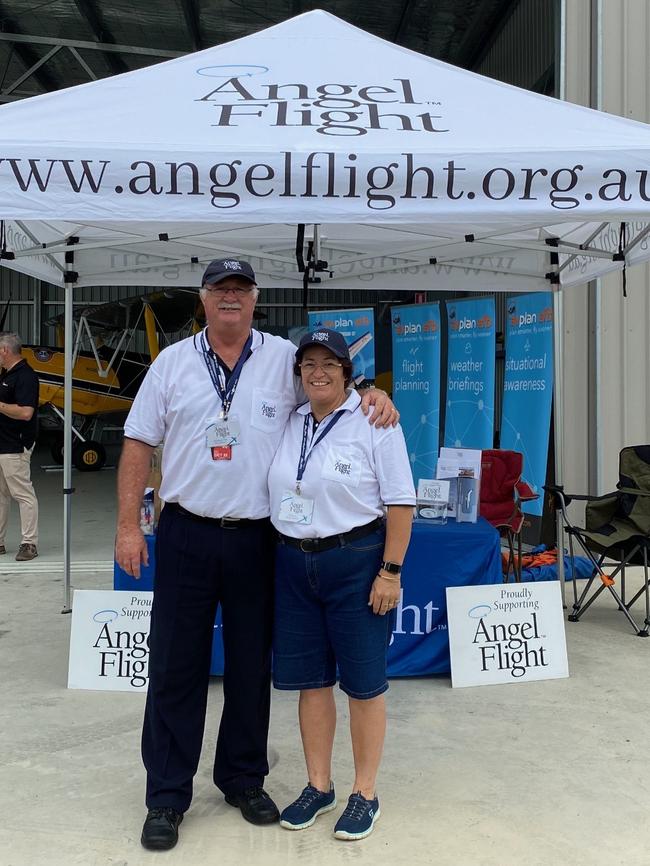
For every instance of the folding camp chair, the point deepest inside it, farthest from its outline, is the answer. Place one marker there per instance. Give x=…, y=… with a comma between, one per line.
x=502, y=492
x=617, y=529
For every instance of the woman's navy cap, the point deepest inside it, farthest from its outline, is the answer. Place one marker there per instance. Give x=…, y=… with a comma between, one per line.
x=331, y=340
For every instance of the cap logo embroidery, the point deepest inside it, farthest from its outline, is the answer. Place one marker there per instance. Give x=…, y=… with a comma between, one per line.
x=232, y=265
x=321, y=336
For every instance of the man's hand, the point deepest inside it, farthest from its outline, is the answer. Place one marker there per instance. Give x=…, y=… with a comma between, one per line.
x=131, y=550
x=384, y=412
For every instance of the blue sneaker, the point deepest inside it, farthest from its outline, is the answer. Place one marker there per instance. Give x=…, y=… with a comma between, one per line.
x=358, y=819
x=310, y=804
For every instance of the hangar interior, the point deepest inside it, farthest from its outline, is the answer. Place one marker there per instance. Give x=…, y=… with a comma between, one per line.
x=573, y=51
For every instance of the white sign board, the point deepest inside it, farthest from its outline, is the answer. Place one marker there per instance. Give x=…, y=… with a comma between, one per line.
x=506, y=633
x=109, y=641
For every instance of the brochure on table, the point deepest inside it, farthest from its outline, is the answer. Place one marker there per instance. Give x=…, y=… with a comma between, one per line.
x=462, y=468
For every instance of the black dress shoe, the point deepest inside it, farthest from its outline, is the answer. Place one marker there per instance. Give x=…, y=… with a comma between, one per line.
x=256, y=805
x=160, y=829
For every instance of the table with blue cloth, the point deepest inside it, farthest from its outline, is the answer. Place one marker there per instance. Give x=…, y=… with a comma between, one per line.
x=451, y=554
x=123, y=581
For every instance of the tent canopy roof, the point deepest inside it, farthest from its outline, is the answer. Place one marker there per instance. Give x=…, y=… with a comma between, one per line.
x=400, y=158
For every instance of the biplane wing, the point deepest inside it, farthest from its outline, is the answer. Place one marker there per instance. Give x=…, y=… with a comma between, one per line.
x=106, y=371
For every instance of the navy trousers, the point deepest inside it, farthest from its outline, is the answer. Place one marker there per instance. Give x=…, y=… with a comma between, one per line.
x=198, y=566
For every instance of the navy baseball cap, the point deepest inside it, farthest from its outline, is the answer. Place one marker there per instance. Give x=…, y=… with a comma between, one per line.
x=331, y=340
x=220, y=269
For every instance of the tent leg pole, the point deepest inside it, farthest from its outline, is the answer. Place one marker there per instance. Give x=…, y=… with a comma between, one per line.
x=558, y=431
x=67, y=447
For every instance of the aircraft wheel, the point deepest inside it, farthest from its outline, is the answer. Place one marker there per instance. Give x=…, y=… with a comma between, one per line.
x=89, y=456
x=56, y=450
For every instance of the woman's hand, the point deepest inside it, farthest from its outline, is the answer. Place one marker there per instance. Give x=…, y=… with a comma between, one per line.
x=385, y=594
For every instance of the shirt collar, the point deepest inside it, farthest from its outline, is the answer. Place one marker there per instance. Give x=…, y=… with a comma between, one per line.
x=258, y=339
x=352, y=402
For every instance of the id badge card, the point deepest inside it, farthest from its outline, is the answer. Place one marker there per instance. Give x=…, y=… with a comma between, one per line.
x=295, y=508
x=223, y=433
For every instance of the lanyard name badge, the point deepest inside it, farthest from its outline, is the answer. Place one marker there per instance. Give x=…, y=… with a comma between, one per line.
x=294, y=507
x=222, y=434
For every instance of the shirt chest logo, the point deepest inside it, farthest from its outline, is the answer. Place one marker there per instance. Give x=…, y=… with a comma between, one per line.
x=344, y=467
x=342, y=464
x=269, y=410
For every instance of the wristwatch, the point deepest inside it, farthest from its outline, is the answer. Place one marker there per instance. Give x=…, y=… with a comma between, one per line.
x=390, y=567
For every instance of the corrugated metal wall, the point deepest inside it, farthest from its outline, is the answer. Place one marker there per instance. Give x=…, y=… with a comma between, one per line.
x=523, y=54
x=21, y=290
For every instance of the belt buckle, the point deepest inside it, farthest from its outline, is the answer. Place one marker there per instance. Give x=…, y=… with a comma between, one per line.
x=308, y=542
x=229, y=522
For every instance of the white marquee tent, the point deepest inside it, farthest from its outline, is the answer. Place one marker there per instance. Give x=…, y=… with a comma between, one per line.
x=408, y=173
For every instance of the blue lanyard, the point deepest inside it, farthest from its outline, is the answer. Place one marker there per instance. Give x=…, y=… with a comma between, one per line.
x=227, y=393
x=304, y=453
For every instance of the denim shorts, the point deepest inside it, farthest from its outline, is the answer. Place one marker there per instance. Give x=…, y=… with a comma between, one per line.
x=322, y=619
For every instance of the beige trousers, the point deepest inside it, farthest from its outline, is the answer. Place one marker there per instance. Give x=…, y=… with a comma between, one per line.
x=16, y=483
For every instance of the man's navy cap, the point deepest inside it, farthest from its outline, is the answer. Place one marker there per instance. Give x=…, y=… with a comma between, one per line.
x=220, y=269
x=331, y=340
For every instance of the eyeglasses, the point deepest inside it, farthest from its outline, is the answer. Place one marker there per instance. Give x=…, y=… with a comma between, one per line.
x=326, y=366
x=240, y=291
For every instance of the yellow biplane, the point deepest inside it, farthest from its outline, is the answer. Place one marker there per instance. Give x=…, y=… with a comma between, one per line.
x=113, y=347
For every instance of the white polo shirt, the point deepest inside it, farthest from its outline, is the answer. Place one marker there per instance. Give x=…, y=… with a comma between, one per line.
x=351, y=473
x=177, y=402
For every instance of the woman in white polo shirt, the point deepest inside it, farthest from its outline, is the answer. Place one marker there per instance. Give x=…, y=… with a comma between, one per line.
x=337, y=574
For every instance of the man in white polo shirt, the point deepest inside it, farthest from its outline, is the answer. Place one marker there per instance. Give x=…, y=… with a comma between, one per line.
x=219, y=401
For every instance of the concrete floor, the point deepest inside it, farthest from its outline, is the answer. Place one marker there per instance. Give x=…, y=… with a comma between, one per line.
x=544, y=774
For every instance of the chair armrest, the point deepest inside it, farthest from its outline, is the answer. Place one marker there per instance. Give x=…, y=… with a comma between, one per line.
x=633, y=491
x=562, y=500
x=581, y=497
x=524, y=492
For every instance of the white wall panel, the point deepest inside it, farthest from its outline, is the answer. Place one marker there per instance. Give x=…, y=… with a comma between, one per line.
x=575, y=82
x=625, y=323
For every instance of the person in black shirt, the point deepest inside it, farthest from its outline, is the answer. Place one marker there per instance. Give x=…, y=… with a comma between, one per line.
x=18, y=423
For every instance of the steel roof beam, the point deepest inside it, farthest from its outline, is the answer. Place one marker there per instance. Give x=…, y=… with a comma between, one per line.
x=404, y=19
x=193, y=23
x=27, y=55
x=22, y=38
x=94, y=19
x=31, y=71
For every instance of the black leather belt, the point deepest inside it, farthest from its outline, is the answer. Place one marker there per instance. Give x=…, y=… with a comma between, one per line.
x=316, y=545
x=223, y=522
